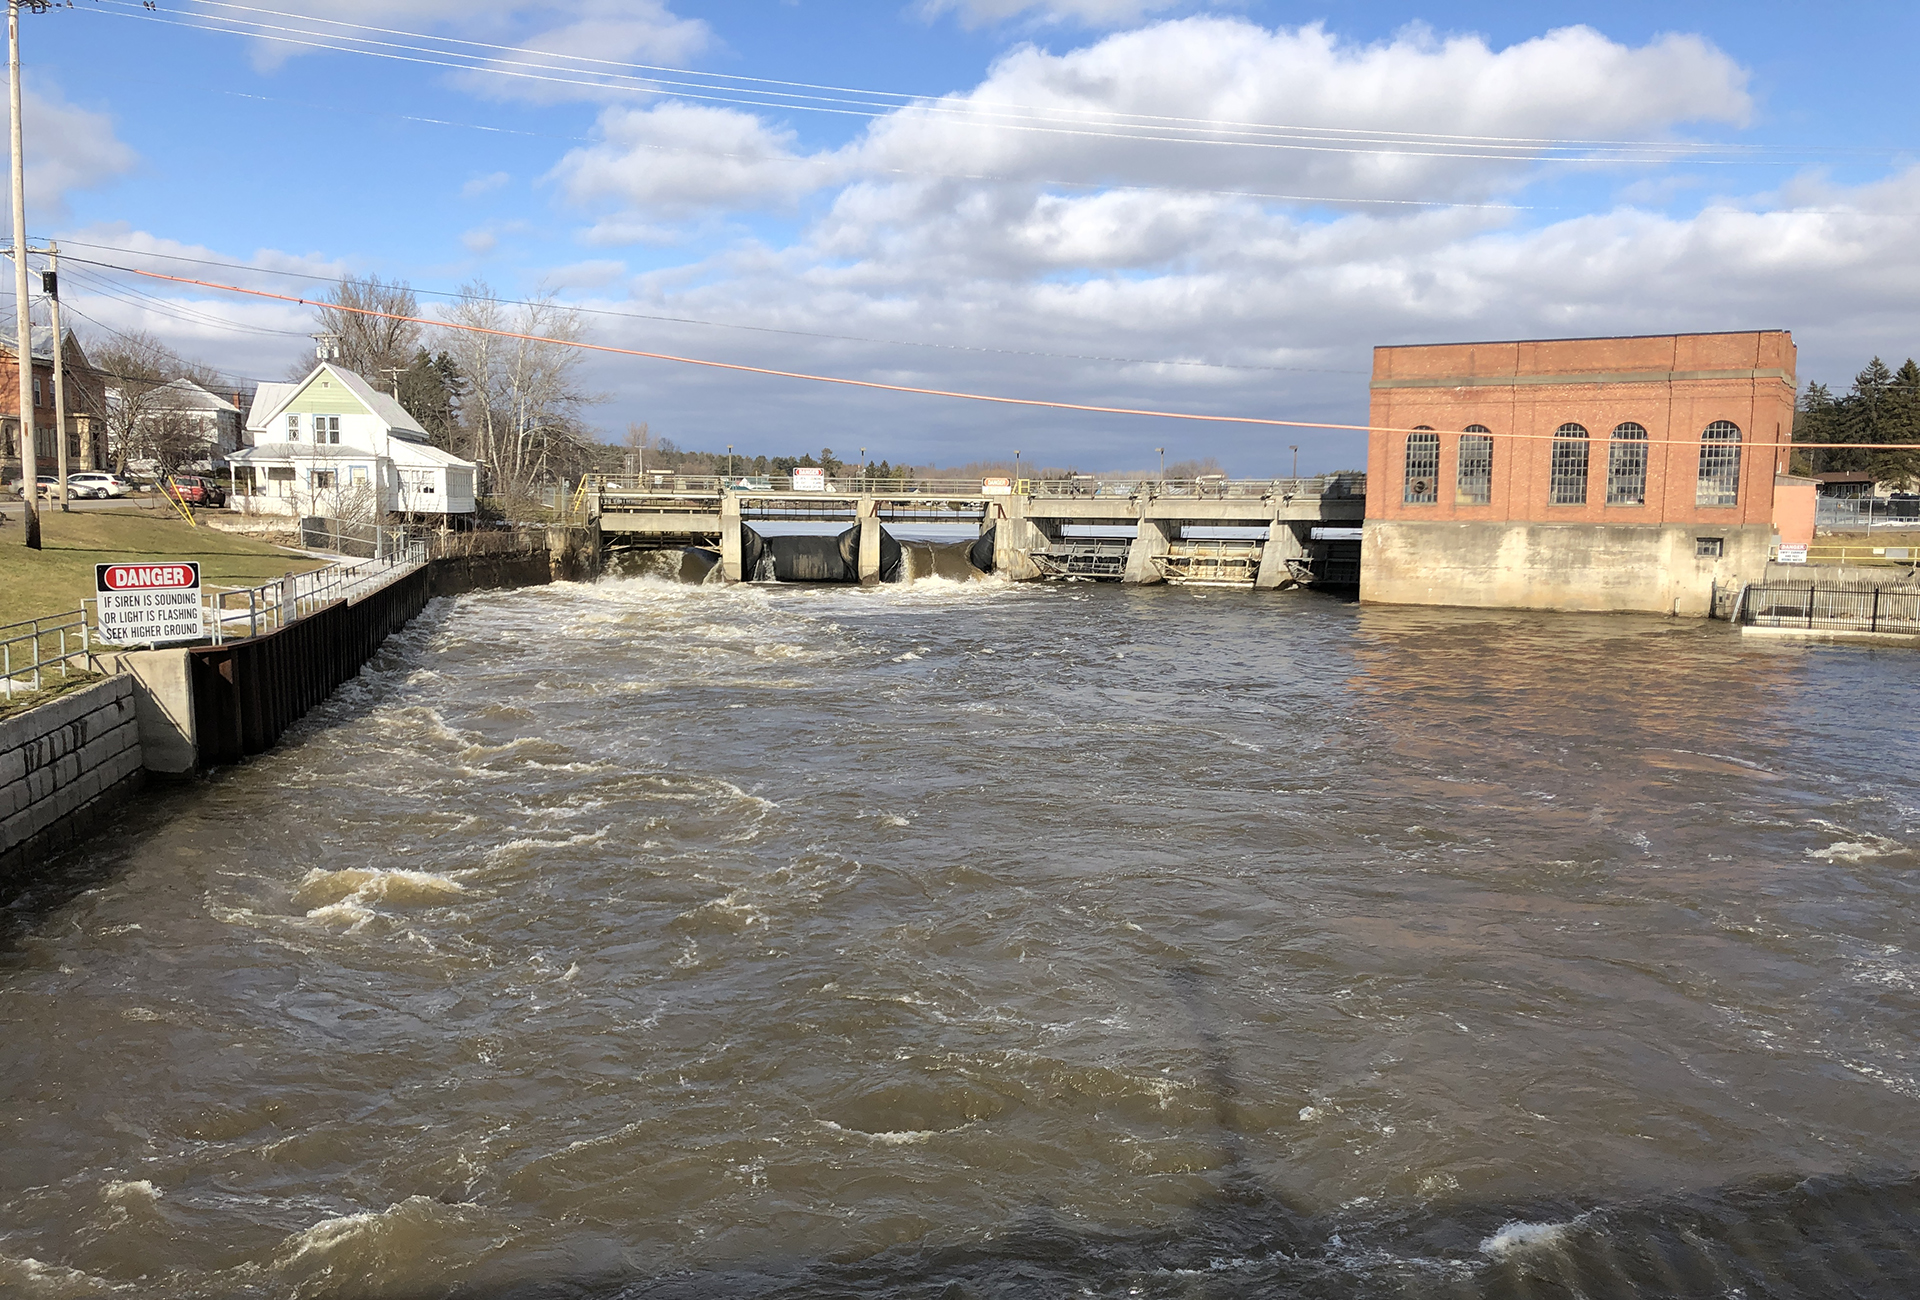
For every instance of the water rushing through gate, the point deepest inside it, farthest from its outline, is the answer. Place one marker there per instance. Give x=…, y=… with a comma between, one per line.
x=962, y=938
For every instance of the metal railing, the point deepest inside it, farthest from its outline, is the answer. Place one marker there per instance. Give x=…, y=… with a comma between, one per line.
x=1866, y=512
x=38, y=645
x=1863, y=553
x=1079, y=485
x=235, y=613
x=1213, y=487
x=1837, y=608
x=346, y=537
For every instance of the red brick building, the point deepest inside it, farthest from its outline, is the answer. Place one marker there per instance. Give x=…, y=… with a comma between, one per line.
x=1608, y=473
x=86, y=410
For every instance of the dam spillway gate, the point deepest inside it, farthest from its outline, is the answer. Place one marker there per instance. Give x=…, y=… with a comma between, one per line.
x=1293, y=532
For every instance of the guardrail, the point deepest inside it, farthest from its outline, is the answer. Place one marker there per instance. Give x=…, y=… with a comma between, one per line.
x=1833, y=608
x=235, y=613
x=1858, y=553
x=1079, y=485
x=1866, y=512
x=40, y=644
x=1209, y=488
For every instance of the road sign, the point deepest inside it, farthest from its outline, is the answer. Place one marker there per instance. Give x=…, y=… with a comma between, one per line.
x=149, y=603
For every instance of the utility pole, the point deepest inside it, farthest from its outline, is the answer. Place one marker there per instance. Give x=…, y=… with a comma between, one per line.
x=50, y=284
x=1296, y=459
x=29, y=445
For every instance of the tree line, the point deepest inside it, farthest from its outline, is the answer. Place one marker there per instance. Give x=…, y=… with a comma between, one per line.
x=1883, y=406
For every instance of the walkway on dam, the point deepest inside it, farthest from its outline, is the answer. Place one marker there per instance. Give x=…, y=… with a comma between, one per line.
x=1148, y=524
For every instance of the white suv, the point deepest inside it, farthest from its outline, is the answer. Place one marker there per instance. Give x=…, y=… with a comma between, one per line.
x=98, y=484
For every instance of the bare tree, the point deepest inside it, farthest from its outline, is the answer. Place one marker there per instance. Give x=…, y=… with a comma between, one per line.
x=141, y=422
x=524, y=404
x=369, y=345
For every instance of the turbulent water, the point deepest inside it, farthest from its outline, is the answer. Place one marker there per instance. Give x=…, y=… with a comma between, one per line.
x=955, y=939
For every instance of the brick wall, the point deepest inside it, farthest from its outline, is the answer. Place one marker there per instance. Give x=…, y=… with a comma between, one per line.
x=63, y=768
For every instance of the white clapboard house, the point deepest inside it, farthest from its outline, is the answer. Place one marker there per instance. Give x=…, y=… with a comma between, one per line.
x=334, y=445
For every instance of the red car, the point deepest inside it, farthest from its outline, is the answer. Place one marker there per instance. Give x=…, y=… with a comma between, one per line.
x=193, y=490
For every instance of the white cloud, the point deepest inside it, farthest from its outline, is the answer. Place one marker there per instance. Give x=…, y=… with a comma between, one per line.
x=1090, y=13
x=609, y=30
x=68, y=148
x=1172, y=105
x=119, y=243
x=681, y=159
x=1182, y=278
x=480, y=185
x=1197, y=83
x=596, y=274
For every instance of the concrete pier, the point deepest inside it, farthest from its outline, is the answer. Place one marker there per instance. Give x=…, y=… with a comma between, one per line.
x=1152, y=539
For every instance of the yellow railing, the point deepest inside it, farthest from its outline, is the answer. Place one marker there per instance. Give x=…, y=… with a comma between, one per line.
x=1861, y=553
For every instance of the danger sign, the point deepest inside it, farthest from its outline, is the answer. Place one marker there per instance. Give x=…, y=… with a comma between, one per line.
x=149, y=602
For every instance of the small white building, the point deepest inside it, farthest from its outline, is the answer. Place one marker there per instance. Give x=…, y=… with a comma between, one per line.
x=333, y=445
x=200, y=425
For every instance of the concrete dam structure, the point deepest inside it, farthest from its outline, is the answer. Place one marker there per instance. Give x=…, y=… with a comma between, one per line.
x=1285, y=532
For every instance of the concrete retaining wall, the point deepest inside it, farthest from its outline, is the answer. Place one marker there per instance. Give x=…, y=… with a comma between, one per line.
x=64, y=768
x=1649, y=568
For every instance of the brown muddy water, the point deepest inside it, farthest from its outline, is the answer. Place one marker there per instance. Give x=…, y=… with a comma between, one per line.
x=956, y=939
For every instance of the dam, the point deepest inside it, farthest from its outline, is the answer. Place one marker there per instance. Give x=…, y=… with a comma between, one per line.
x=1283, y=532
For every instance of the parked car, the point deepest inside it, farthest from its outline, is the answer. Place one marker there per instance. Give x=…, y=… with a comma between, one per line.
x=100, y=482
x=193, y=490
x=49, y=485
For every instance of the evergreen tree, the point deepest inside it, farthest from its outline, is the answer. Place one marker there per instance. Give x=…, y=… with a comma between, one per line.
x=1899, y=422
x=430, y=391
x=1817, y=419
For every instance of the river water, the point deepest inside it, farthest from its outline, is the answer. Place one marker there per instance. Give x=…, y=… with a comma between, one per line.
x=966, y=939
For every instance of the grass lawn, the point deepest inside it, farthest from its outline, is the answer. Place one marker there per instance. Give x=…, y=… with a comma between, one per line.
x=56, y=578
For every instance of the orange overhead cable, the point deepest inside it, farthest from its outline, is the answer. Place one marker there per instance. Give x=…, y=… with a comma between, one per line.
x=609, y=349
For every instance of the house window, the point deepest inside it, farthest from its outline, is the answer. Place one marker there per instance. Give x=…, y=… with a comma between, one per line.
x=1423, y=466
x=326, y=428
x=359, y=473
x=1567, y=480
x=1627, y=466
x=1709, y=548
x=36, y=390
x=1474, y=485
x=1719, y=465
x=319, y=479
x=279, y=473
x=293, y=428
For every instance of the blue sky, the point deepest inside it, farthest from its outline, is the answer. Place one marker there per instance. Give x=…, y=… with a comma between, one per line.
x=1067, y=264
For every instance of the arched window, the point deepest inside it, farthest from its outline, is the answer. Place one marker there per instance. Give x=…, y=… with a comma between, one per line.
x=1719, y=465
x=1567, y=485
x=1475, y=478
x=1423, y=466
x=1627, y=466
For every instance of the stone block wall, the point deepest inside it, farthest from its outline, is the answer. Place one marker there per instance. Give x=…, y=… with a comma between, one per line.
x=64, y=768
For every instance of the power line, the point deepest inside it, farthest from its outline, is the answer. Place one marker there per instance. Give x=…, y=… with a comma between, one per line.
x=880, y=386
x=832, y=164
x=688, y=320
x=1328, y=140
x=896, y=99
